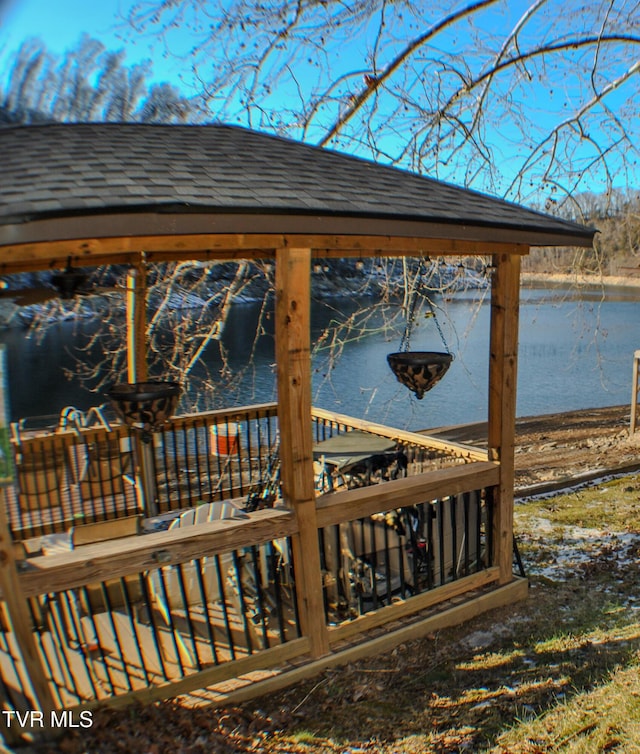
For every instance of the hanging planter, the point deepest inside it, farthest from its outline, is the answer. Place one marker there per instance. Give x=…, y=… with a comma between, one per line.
x=145, y=406
x=419, y=370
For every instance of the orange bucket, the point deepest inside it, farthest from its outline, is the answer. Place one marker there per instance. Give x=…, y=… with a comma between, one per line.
x=225, y=439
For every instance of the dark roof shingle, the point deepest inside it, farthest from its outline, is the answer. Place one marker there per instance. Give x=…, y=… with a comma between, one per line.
x=58, y=170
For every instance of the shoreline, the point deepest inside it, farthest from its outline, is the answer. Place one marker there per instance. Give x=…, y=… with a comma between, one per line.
x=560, y=449
x=580, y=280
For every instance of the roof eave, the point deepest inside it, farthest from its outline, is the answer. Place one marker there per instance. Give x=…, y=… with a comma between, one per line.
x=143, y=225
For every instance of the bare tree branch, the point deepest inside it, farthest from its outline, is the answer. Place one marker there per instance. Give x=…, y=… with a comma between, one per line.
x=389, y=70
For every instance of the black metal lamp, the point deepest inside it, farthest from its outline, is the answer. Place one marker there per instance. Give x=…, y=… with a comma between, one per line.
x=145, y=406
x=69, y=281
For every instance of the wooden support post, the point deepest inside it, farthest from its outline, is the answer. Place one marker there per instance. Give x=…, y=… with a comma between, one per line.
x=634, y=391
x=136, y=323
x=131, y=325
x=503, y=363
x=18, y=611
x=293, y=355
x=137, y=372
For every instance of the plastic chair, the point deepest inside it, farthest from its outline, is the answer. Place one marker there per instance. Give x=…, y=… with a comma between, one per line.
x=216, y=511
x=196, y=582
x=204, y=513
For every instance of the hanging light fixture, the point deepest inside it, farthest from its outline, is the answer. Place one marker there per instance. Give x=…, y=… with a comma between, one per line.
x=145, y=406
x=419, y=370
x=69, y=281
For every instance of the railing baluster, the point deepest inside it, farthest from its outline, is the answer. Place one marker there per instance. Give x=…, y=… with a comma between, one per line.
x=249, y=462
x=195, y=432
x=169, y=617
x=225, y=609
x=44, y=653
x=98, y=644
x=166, y=483
x=57, y=647
x=441, y=539
x=402, y=544
x=208, y=616
x=208, y=449
x=239, y=446
x=453, y=507
x=237, y=567
x=489, y=530
x=260, y=615
x=134, y=628
x=274, y=578
x=144, y=587
x=467, y=532
x=185, y=467
x=104, y=593
x=176, y=463
x=230, y=463
x=387, y=563
x=373, y=567
x=197, y=564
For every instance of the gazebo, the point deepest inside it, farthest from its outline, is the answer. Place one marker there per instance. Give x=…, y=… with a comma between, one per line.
x=231, y=603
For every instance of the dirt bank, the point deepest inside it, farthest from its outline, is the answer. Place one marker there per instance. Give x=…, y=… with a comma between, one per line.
x=558, y=448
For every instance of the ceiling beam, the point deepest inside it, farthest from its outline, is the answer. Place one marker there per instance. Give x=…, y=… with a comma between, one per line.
x=93, y=252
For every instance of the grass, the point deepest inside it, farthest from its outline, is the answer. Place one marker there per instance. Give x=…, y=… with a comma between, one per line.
x=598, y=641
x=559, y=672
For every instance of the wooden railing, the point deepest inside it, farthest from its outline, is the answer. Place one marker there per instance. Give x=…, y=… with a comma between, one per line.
x=83, y=475
x=215, y=456
x=158, y=615
x=174, y=608
x=432, y=452
x=406, y=539
x=108, y=623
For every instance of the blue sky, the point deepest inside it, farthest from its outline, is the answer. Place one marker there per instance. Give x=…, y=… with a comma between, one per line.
x=60, y=23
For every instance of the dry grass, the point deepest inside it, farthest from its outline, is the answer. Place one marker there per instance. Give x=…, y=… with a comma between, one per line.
x=557, y=673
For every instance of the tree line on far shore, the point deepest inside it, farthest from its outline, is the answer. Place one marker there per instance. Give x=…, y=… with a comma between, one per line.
x=616, y=250
x=88, y=84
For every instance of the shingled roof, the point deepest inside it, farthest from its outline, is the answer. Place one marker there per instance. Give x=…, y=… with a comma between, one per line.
x=137, y=179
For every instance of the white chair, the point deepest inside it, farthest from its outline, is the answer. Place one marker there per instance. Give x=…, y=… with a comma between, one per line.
x=216, y=511
x=184, y=519
x=197, y=582
x=171, y=595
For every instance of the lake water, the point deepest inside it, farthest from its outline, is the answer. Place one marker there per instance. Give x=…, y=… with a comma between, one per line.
x=575, y=352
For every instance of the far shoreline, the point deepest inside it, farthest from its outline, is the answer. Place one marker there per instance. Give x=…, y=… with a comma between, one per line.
x=580, y=280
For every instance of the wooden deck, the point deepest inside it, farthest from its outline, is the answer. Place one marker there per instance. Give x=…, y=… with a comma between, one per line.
x=87, y=678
